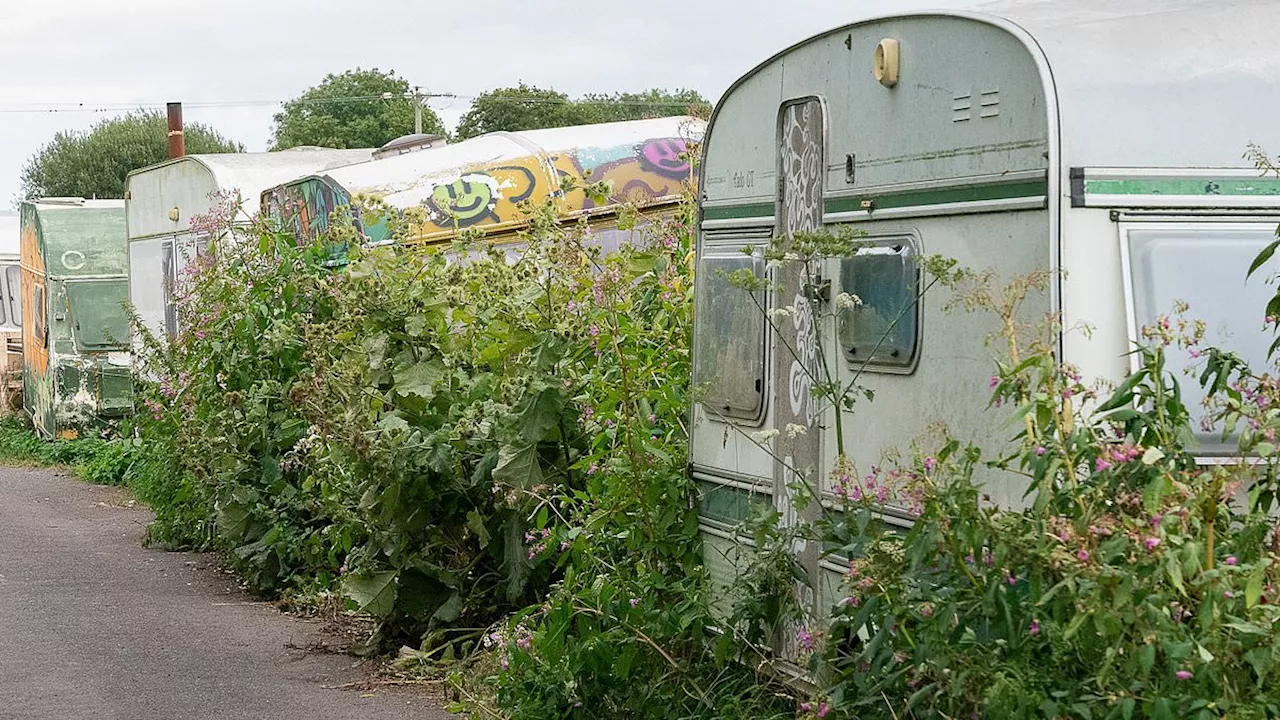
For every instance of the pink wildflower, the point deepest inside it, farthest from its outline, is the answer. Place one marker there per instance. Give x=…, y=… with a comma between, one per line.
x=1151, y=543
x=1101, y=464
x=1183, y=674
x=1083, y=555
x=805, y=639
x=1034, y=629
x=635, y=602
x=1230, y=560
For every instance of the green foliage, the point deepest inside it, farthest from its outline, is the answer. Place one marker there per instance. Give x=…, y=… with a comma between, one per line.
x=95, y=163
x=348, y=110
x=651, y=103
x=1129, y=588
x=530, y=108
x=625, y=630
x=1134, y=583
x=99, y=461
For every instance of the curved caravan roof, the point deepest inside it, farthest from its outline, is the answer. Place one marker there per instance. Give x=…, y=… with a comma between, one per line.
x=1159, y=83
x=481, y=181
x=1133, y=83
x=187, y=182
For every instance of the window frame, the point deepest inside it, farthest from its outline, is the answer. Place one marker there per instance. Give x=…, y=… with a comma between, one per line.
x=13, y=293
x=727, y=245
x=40, y=313
x=1125, y=224
x=911, y=240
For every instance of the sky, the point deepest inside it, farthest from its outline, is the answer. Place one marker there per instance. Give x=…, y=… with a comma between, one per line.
x=249, y=55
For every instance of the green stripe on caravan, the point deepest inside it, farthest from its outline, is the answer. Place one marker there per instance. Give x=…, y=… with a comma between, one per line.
x=1246, y=187
x=917, y=198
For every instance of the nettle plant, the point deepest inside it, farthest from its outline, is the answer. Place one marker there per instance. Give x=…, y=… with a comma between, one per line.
x=623, y=630
x=1135, y=583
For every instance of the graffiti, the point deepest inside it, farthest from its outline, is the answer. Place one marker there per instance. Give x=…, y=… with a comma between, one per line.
x=668, y=157
x=491, y=196
x=473, y=198
x=304, y=208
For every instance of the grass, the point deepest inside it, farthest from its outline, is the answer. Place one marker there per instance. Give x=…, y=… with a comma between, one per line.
x=102, y=462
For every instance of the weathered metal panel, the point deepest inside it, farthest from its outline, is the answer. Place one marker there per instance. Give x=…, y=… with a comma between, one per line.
x=74, y=294
x=954, y=159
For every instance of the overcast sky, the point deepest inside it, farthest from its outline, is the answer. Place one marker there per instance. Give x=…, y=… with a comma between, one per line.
x=121, y=53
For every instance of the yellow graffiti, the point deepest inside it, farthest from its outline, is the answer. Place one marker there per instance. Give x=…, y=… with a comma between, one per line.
x=495, y=197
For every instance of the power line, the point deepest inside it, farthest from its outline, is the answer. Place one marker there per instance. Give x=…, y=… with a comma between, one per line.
x=53, y=108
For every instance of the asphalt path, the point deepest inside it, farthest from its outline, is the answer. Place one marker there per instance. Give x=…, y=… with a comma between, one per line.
x=93, y=625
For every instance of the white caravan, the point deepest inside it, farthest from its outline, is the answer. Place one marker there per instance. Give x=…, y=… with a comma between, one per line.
x=161, y=200
x=1100, y=140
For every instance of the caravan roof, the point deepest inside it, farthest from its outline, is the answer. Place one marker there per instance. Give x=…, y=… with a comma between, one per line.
x=482, y=181
x=1133, y=78
x=187, y=182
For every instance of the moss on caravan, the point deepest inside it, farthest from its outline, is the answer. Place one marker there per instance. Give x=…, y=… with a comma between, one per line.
x=1100, y=141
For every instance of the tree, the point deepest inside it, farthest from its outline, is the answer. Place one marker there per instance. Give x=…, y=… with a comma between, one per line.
x=530, y=108
x=519, y=108
x=95, y=163
x=647, y=104
x=357, y=109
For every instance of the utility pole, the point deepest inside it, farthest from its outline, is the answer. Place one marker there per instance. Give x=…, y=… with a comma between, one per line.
x=418, y=99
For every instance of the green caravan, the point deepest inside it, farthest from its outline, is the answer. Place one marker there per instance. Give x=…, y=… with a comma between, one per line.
x=1100, y=141
x=75, y=287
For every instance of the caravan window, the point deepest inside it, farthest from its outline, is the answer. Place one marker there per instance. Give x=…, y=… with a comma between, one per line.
x=877, y=308
x=1203, y=264
x=13, y=294
x=729, y=344
x=39, y=314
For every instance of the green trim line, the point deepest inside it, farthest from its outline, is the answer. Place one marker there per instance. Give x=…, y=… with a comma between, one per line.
x=738, y=212
x=1201, y=186
x=942, y=196
x=916, y=198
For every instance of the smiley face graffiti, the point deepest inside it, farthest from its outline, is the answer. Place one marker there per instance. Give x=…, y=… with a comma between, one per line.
x=666, y=156
x=466, y=201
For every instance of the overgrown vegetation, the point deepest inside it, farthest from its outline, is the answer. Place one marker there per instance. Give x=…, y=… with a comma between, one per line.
x=487, y=456
x=444, y=443
x=96, y=460
x=1136, y=582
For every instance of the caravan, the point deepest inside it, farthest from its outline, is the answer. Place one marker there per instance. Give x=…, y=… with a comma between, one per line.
x=1102, y=142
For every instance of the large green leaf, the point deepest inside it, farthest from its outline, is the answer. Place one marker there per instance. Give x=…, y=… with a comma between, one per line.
x=518, y=466
x=234, y=520
x=540, y=411
x=373, y=593
x=419, y=378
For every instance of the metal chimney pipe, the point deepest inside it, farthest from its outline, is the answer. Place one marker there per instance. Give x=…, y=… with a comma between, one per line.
x=177, y=143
